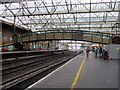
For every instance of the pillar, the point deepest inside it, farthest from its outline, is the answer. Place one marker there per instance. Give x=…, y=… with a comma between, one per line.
x=48, y=46
x=119, y=18
x=33, y=45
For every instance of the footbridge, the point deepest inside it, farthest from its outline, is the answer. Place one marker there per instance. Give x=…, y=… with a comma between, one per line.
x=95, y=37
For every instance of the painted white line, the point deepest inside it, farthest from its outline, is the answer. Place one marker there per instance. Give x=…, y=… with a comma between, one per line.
x=50, y=73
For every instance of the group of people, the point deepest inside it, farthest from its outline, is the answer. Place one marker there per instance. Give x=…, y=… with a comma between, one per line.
x=99, y=52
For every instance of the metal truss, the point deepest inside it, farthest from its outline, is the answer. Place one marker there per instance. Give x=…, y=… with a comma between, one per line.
x=41, y=15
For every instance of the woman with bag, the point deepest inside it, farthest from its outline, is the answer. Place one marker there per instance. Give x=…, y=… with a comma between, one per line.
x=87, y=51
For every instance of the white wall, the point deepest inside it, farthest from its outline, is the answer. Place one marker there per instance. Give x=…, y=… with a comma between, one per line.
x=113, y=51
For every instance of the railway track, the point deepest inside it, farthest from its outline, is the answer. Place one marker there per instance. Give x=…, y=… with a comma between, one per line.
x=16, y=66
x=25, y=68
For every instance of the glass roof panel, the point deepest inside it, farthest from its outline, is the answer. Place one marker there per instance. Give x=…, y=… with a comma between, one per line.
x=75, y=14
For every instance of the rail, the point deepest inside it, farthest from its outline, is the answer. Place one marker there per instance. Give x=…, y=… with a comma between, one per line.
x=23, y=69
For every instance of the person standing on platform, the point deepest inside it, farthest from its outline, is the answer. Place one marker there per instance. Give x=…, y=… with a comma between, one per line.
x=100, y=52
x=103, y=53
x=106, y=55
x=87, y=51
x=96, y=52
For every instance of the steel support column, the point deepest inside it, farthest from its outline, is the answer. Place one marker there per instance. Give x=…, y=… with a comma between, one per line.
x=90, y=20
x=119, y=19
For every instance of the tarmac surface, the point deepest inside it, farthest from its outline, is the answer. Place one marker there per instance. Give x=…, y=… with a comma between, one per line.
x=95, y=73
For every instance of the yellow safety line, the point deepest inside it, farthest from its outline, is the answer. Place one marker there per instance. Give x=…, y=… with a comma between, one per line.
x=77, y=75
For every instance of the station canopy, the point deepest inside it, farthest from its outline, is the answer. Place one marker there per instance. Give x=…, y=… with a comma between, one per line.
x=41, y=15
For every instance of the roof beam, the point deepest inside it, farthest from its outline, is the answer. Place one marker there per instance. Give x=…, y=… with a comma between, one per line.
x=72, y=23
x=63, y=12
x=67, y=6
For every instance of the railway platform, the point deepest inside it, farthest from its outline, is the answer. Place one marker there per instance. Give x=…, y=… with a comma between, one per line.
x=20, y=67
x=82, y=72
